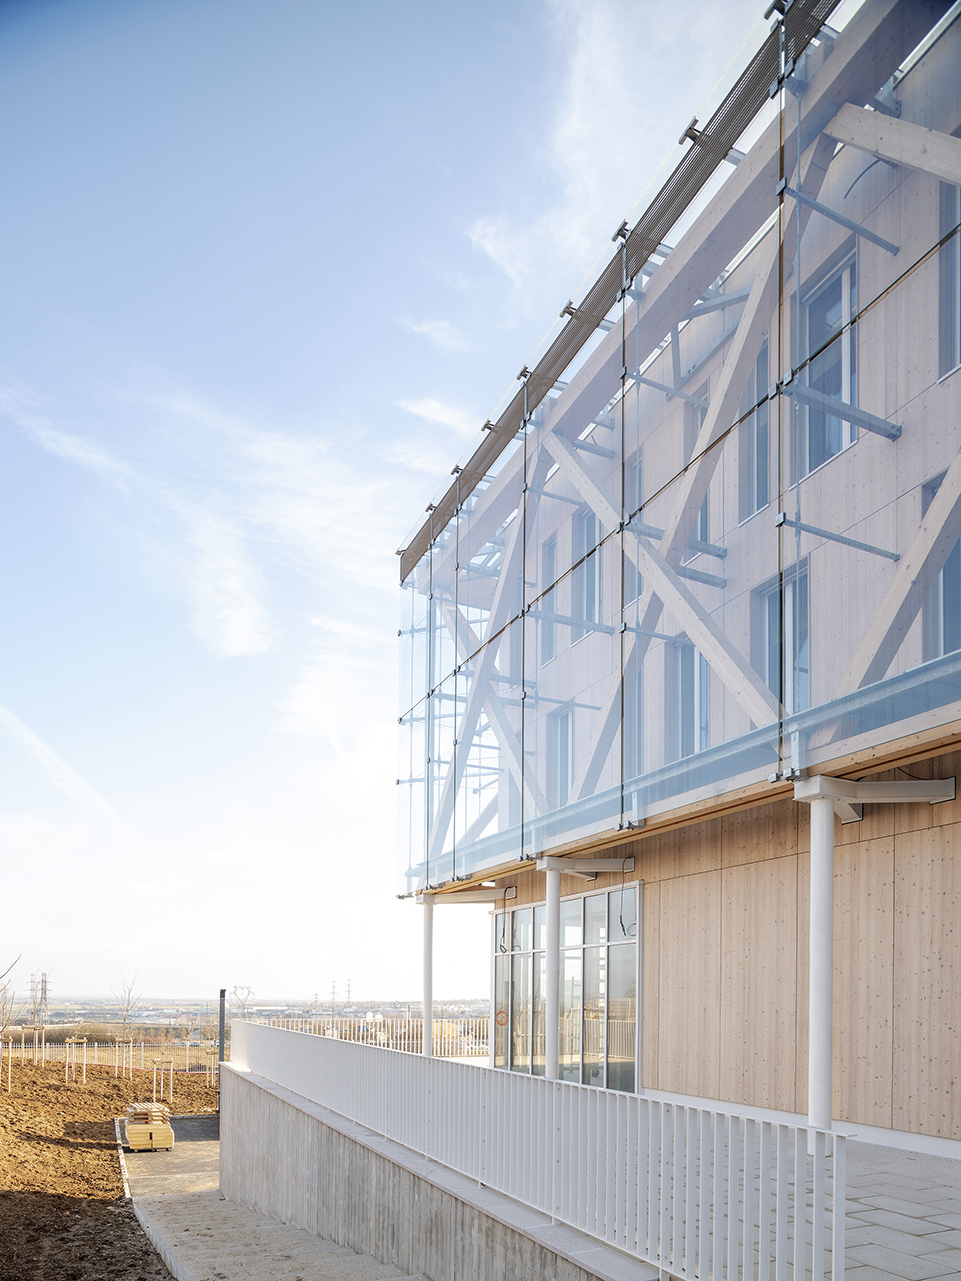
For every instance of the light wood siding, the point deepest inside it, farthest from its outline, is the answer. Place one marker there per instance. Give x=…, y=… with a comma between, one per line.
x=689, y=987
x=725, y=958
x=758, y=983
x=650, y=992
x=927, y=982
x=864, y=980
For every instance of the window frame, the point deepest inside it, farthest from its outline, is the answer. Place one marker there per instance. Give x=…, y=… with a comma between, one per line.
x=803, y=464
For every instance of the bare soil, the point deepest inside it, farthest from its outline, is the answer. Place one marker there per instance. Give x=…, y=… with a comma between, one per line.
x=63, y=1216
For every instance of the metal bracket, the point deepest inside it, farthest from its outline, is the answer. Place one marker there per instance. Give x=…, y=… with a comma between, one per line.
x=784, y=519
x=849, y=796
x=851, y=225
x=840, y=409
x=586, y=868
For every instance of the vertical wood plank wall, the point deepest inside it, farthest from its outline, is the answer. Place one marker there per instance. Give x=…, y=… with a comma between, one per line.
x=725, y=958
x=725, y=955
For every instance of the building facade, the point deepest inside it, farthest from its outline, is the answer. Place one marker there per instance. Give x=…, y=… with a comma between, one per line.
x=683, y=640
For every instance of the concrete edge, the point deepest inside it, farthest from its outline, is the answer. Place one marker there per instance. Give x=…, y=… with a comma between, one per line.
x=160, y=1244
x=123, y=1163
x=605, y=1261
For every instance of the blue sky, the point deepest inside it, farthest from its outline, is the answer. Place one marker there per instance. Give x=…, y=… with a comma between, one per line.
x=267, y=268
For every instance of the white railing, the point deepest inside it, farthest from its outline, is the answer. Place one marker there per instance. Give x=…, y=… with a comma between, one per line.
x=457, y=1038
x=698, y=1192
x=122, y=1054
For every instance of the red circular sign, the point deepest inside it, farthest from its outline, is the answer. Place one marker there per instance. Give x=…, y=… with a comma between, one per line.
x=500, y=1018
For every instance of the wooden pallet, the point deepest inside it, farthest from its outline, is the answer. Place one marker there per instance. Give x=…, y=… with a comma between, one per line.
x=147, y=1127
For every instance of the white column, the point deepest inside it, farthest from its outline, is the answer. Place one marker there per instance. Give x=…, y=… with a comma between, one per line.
x=821, y=993
x=552, y=985
x=428, y=1046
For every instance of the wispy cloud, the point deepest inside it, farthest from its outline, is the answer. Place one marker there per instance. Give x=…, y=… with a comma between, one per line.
x=439, y=411
x=65, y=779
x=229, y=614
x=29, y=412
x=633, y=76
x=441, y=332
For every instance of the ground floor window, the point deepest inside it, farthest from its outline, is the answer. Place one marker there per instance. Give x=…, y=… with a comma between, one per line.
x=598, y=989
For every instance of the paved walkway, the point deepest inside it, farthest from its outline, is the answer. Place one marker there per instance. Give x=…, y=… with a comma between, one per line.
x=903, y=1219
x=904, y=1216
x=202, y=1237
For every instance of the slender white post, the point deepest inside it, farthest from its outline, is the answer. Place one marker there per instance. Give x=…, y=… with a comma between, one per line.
x=428, y=1038
x=821, y=992
x=552, y=985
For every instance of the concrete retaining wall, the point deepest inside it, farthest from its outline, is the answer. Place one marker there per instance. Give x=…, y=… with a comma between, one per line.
x=296, y=1162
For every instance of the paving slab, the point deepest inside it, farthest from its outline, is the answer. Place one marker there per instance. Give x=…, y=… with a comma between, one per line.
x=201, y=1236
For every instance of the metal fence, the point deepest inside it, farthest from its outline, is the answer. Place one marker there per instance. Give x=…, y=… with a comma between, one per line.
x=460, y=1038
x=123, y=1055
x=698, y=1192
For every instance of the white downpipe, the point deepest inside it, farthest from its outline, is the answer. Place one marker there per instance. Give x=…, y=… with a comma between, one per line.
x=821, y=993
x=552, y=986
x=428, y=1037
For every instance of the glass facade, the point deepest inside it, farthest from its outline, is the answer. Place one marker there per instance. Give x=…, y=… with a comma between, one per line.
x=598, y=989
x=721, y=546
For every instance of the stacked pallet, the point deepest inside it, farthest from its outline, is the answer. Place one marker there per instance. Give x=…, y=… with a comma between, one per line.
x=147, y=1127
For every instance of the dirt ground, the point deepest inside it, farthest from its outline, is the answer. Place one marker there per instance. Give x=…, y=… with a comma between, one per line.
x=62, y=1212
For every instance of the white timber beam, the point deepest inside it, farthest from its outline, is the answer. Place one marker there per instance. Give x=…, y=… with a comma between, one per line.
x=470, y=896
x=468, y=642
x=910, y=587
x=693, y=485
x=899, y=141
x=586, y=868
x=731, y=667
x=872, y=45
x=480, y=689
x=907, y=791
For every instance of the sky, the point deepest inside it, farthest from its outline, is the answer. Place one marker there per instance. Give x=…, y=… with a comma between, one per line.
x=267, y=266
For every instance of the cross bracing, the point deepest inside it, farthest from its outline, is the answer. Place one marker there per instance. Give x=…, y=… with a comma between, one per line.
x=564, y=598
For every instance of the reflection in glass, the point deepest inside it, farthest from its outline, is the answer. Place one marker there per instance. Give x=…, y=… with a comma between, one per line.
x=623, y=914
x=521, y=929
x=595, y=985
x=570, y=1012
x=571, y=910
x=521, y=1012
x=540, y=981
x=540, y=928
x=500, y=933
x=501, y=1010
x=621, y=1016
x=595, y=918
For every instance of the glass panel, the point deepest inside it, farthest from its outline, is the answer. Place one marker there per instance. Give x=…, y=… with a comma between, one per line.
x=411, y=809
x=540, y=928
x=621, y=1015
x=500, y=933
x=595, y=918
x=570, y=1014
x=520, y=1012
x=622, y=908
x=540, y=980
x=702, y=541
x=521, y=929
x=571, y=915
x=501, y=1009
x=595, y=990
